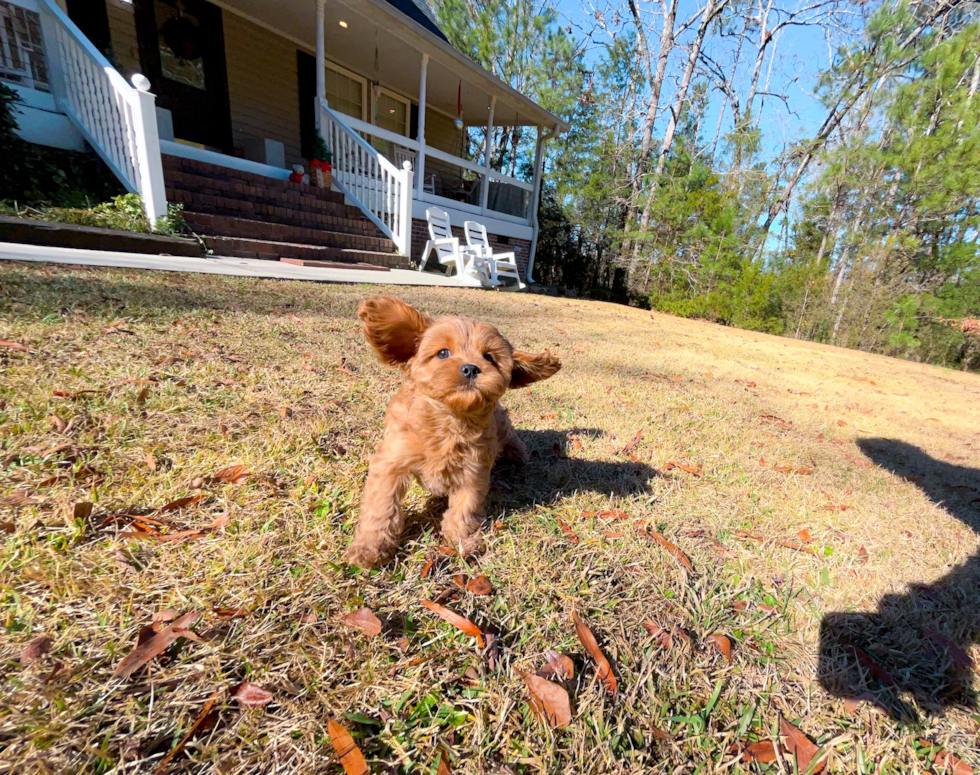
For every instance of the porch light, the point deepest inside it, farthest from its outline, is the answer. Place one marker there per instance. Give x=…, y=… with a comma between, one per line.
x=343, y=24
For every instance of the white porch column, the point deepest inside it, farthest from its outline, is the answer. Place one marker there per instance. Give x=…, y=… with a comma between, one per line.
x=321, y=52
x=420, y=159
x=485, y=192
x=536, y=197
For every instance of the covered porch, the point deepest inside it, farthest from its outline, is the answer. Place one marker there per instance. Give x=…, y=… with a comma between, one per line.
x=384, y=70
x=249, y=85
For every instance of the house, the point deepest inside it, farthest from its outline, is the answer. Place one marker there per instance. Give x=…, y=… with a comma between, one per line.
x=210, y=103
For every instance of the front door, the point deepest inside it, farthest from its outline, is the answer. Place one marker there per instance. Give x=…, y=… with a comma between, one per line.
x=182, y=52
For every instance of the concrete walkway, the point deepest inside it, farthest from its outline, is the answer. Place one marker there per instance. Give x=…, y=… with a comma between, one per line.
x=238, y=267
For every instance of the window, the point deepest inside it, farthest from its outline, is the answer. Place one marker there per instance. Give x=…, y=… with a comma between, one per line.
x=21, y=54
x=392, y=113
x=345, y=93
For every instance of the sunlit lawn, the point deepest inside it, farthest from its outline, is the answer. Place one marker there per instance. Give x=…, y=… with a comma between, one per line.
x=780, y=469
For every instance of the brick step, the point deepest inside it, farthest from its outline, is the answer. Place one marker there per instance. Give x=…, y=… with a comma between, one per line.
x=295, y=196
x=186, y=170
x=274, y=251
x=244, y=228
x=273, y=213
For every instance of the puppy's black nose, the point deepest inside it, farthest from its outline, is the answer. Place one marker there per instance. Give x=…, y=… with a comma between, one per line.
x=469, y=370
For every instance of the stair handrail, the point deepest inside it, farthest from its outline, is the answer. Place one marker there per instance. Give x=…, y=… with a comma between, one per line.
x=118, y=119
x=368, y=179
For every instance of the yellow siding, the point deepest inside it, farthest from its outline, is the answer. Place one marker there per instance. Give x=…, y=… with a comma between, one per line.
x=122, y=31
x=263, y=86
x=441, y=133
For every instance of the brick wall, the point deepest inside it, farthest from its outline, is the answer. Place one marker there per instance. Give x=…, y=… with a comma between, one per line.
x=521, y=247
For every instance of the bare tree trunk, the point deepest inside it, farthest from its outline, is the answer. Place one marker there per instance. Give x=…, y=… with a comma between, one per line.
x=713, y=8
x=735, y=105
x=656, y=81
x=765, y=35
x=858, y=86
x=832, y=224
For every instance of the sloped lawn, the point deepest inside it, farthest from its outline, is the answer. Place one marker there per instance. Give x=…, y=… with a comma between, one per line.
x=825, y=501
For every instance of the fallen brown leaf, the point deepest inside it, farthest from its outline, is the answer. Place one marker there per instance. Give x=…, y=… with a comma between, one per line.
x=606, y=514
x=13, y=345
x=672, y=549
x=365, y=620
x=459, y=622
x=426, y=569
x=236, y=474
x=165, y=615
x=36, y=649
x=588, y=640
x=155, y=646
x=659, y=633
x=444, y=768
x=250, y=695
x=567, y=530
x=346, y=749
x=722, y=643
x=480, y=585
x=549, y=701
x=763, y=752
x=230, y=613
x=958, y=654
x=559, y=667
x=202, y=717
x=792, y=469
x=796, y=742
x=945, y=761
x=633, y=444
x=672, y=464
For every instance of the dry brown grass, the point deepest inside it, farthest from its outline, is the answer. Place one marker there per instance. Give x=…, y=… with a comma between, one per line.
x=274, y=376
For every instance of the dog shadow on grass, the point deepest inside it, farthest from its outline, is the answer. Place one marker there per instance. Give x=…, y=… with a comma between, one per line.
x=915, y=646
x=556, y=466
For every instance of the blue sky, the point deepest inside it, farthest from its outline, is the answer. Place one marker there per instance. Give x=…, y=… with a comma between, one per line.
x=801, y=54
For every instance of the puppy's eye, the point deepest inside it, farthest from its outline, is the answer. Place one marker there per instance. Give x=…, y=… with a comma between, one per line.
x=490, y=358
x=443, y=354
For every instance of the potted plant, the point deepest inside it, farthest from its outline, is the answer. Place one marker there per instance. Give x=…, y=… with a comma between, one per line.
x=320, y=168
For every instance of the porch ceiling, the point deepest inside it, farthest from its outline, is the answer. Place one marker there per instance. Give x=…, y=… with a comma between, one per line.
x=400, y=44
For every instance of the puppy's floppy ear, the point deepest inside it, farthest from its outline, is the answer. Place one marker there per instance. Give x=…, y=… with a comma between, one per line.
x=393, y=328
x=529, y=368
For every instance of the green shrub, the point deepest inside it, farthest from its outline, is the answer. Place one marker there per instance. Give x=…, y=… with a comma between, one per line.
x=40, y=176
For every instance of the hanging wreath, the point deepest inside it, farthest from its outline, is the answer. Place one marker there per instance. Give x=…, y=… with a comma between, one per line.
x=183, y=37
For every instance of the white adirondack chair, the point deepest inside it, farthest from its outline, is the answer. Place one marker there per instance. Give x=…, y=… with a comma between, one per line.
x=499, y=264
x=470, y=266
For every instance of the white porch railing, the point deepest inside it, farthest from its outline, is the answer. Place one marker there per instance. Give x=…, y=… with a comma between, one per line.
x=369, y=180
x=118, y=120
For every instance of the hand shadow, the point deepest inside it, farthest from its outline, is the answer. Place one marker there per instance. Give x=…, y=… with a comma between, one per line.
x=916, y=643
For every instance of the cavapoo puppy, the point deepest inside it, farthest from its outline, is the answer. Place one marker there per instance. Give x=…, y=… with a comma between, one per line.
x=445, y=426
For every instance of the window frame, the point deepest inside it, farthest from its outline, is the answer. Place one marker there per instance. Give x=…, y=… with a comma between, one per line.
x=365, y=97
x=398, y=98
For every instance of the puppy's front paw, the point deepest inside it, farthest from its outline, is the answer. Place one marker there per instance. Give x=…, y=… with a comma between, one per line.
x=365, y=555
x=474, y=546
x=469, y=546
